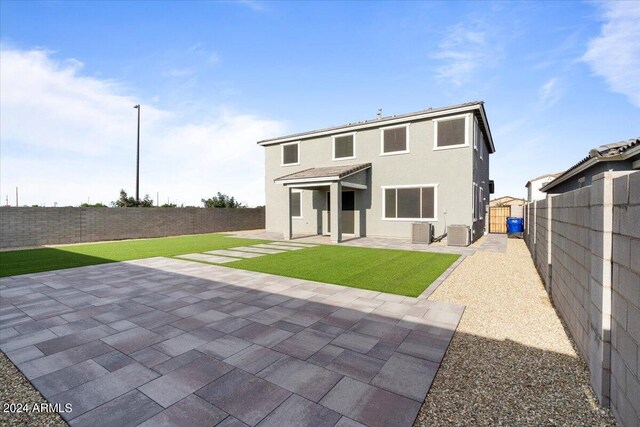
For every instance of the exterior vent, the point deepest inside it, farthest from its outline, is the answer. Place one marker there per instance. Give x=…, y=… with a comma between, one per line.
x=458, y=235
x=421, y=232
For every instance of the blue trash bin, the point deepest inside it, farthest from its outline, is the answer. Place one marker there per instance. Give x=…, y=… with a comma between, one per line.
x=515, y=225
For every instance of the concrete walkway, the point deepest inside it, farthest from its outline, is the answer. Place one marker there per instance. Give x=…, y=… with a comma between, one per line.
x=173, y=342
x=366, y=242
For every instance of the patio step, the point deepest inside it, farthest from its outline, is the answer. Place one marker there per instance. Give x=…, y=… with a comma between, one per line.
x=278, y=247
x=207, y=258
x=263, y=251
x=235, y=254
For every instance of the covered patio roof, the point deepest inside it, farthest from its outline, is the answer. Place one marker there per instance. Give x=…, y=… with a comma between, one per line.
x=325, y=174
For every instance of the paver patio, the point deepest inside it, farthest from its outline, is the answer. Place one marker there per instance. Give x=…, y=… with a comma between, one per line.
x=166, y=342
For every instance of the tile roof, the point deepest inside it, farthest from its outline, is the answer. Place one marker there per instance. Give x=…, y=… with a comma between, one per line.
x=335, y=172
x=607, y=152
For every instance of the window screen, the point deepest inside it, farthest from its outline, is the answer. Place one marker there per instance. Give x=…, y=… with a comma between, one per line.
x=394, y=140
x=390, y=203
x=290, y=154
x=296, y=209
x=428, y=202
x=343, y=146
x=451, y=132
x=408, y=202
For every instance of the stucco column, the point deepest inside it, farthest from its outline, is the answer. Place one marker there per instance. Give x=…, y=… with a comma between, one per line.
x=336, y=212
x=288, y=232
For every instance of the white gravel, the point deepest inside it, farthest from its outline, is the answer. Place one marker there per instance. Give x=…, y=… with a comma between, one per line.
x=511, y=361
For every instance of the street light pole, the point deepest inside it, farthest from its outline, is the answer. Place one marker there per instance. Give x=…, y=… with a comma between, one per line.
x=137, y=107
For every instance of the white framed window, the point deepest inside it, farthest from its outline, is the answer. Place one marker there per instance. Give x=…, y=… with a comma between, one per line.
x=451, y=132
x=344, y=146
x=410, y=202
x=481, y=142
x=481, y=203
x=474, y=201
x=290, y=154
x=394, y=140
x=476, y=132
x=296, y=204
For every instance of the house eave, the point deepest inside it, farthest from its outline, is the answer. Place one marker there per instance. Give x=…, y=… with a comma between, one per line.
x=385, y=122
x=588, y=163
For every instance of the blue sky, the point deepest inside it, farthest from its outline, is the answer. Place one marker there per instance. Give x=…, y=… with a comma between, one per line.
x=215, y=77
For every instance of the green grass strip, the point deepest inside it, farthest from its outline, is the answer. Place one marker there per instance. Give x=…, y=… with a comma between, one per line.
x=399, y=272
x=46, y=259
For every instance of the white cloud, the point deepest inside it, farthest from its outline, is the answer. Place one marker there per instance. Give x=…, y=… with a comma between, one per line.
x=462, y=52
x=550, y=92
x=67, y=136
x=615, y=53
x=256, y=6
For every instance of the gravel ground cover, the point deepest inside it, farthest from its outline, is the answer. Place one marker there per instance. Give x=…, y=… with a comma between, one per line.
x=511, y=361
x=16, y=389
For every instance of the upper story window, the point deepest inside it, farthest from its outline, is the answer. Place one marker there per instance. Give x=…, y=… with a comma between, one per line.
x=450, y=132
x=395, y=140
x=344, y=147
x=410, y=202
x=291, y=154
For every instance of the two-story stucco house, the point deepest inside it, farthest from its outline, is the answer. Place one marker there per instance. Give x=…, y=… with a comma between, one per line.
x=535, y=184
x=377, y=177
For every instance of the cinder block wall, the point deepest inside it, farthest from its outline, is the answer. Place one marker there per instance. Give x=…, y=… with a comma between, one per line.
x=570, y=263
x=625, y=287
x=542, y=240
x=586, y=246
x=20, y=227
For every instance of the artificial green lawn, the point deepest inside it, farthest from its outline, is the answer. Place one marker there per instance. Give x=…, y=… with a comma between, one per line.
x=46, y=259
x=386, y=270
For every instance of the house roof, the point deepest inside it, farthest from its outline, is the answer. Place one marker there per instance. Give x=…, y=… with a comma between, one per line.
x=616, y=151
x=506, y=200
x=554, y=175
x=476, y=106
x=331, y=173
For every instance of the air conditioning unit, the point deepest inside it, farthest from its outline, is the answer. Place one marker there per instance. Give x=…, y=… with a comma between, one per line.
x=458, y=235
x=421, y=232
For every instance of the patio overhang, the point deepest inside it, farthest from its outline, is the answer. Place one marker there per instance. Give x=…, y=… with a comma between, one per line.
x=334, y=177
x=321, y=177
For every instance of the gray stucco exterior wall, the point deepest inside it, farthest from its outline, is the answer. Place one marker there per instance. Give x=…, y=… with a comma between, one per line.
x=453, y=171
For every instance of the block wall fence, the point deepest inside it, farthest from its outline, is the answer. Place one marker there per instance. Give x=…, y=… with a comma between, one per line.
x=21, y=227
x=586, y=246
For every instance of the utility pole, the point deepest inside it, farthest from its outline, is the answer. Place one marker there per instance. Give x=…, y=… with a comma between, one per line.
x=16, y=197
x=137, y=107
x=157, y=199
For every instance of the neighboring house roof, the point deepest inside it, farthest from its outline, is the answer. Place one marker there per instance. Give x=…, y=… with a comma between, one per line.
x=553, y=175
x=477, y=106
x=331, y=173
x=506, y=200
x=605, y=153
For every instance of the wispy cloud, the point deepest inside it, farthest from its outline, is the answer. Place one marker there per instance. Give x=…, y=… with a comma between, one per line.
x=550, y=92
x=615, y=53
x=179, y=72
x=255, y=5
x=462, y=52
x=67, y=136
